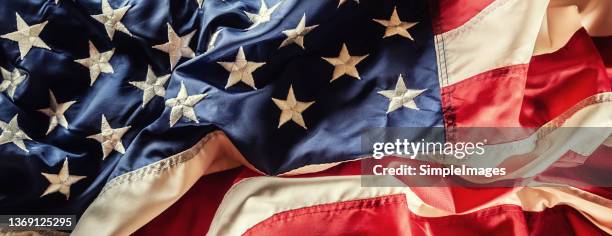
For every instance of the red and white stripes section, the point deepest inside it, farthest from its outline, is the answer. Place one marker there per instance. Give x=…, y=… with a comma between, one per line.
x=240, y=202
x=489, y=76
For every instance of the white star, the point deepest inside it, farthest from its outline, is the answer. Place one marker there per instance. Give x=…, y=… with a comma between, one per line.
x=297, y=34
x=56, y=112
x=291, y=109
x=182, y=105
x=26, y=36
x=97, y=62
x=152, y=86
x=11, y=133
x=112, y=19
x=345, y=64
x=110, y=138
x=11, y=80
x=200, y=3
x=241, y=70
x=396, y=26
x=401, y=96
x=176, y=47
x=343, y=1
x=62, y=181
x=263, y=15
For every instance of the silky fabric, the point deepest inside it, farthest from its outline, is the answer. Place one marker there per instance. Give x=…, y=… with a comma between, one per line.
x=342, y=110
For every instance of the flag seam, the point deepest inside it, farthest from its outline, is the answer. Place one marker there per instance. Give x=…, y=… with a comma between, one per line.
x=161, y=165
x=475, y=20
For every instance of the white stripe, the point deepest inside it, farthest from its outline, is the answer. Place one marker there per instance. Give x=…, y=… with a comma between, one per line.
x=254, y=200
x=131, y=200
x=596, y=15
x=502, y=34
x=314, y=168
x=558, y=27
x=565, y=17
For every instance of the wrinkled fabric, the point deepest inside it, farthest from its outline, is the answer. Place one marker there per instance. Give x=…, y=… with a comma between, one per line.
x=342, y=109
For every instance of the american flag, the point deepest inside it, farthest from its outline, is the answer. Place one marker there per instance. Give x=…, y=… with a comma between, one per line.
x=244, y=117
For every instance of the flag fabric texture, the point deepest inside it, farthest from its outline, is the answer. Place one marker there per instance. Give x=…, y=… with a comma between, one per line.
x=244, y=117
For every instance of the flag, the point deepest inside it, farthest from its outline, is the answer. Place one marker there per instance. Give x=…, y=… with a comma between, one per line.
x=229, y=117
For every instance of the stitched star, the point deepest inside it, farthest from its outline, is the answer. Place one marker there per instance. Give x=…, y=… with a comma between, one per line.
x=62, y=181
x=11, y=133
x=263, y=15
x=111, y=19
x=183, y=105
x=10, y=81
x=291, y=109
x=401, y=96
x=200, y=3
x=97, y=62
x=176, y=47
x=26, y=36
x=241, y=70
x=56, y=112
x=110, y=138
x=343, y=1
x=396, y=27
x=297, y=34
x=152, y=86
x=345, y=64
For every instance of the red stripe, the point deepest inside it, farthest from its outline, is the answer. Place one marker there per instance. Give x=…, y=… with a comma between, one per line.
x=377, y=216
x=454, y=13
x=486, y=100
x=192, y=214
x=389, y=215
x=552, y=84
x=559, y=80
x=458, y=199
